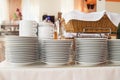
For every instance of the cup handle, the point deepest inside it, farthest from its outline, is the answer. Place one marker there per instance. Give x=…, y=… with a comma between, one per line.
x=35, y=24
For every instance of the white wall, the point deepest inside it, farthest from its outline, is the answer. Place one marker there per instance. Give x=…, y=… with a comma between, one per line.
x=67, y=5
x=108, y=6
x=100, y=5
x=50, y=7
x=35, y=9
x=113, y=7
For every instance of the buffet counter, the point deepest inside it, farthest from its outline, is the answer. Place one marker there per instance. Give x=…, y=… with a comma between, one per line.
x=40, y=72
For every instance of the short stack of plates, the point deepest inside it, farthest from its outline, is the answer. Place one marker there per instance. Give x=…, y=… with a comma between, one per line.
x=21, y=50
x=55, y=52
x=114, y=51
x=91, y=51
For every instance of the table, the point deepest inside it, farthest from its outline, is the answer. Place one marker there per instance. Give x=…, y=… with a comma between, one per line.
x=38, y=72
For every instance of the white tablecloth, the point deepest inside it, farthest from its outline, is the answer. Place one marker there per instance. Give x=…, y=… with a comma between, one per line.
x=94, y=16
x=60, y=73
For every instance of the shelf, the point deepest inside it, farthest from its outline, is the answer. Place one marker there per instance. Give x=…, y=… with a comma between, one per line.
x=10, y=25
x=9, y=29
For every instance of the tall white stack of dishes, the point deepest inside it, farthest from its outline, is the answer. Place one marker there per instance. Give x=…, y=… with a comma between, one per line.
x=28, y=30
x=21, y=50
x=56, y=52
x=45, y=31
x=114, y=51
x=91, y=51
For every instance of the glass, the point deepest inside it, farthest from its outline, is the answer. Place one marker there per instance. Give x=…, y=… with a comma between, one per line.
x=55, y=33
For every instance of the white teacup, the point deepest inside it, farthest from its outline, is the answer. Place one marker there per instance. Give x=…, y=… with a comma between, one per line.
x=27, y=28
x=45, y=32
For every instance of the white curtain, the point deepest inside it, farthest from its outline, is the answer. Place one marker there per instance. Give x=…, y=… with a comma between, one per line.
x=4, y=10
x=66, y=6
x=30, y=9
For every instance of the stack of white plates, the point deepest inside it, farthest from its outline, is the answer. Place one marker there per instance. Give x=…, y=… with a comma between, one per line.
x=55, y=51
x=23, y=50
x=114, y=51
x=91, y=51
